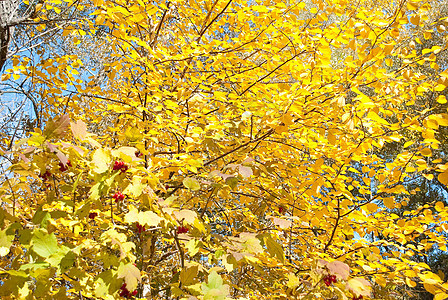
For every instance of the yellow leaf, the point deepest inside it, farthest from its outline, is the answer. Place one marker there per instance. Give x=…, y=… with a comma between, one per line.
x=415, y=20
x=374, y=117
x=6, y=76
x=101, y=161
x=443, y=178
x=410, y=283
x=372, y=207
x=441, y=99
x=411, y=5
x=191, y=184
x=331, y=138
x=131, y=275
x=359, y=286
x=441, y=296
x=389, y=202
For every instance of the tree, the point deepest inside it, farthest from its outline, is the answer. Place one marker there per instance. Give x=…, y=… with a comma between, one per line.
x=425, y=188
x=217, y=156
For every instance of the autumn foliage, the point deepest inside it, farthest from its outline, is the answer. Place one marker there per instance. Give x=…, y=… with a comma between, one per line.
x=232, y=151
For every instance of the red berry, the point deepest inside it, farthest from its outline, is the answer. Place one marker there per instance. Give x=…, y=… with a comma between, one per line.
x=63, y=167
x=182, y=229
x=125, y=293
x=119, y=165
x=328, y=280
x=281, y=209
x=45, y=175
x=140, y=228
x=138, y=154
x=93, y=215
x=118, y=196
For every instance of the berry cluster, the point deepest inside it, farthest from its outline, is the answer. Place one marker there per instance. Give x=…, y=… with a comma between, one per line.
x=63, y=167
x=118, y=196
x=138, y=154
x=281, y=209
x=121, y=166
x=357, y=297
x=182, y=229
x=93, y=215
x=140, y=228
x=328, y=280
x=45, y=175
x=125, y=293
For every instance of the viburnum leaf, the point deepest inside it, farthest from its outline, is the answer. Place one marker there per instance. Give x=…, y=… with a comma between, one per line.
x=5, y=242
x=57, y=126
x=132, y=216
x=125, y=153
x=149, y=218
x=280, y=222
x=192, y=247
x=136, y=187
x=359, y=286
x=101, y=160
x=142, y=217
x=62, y=157
x=131, y=275
x=186, y=215
x=250, y=242
x=274, y=248
x=188, y=274
x=339, y=269
x=44, y=244
x=79, y=129
x=214, y=289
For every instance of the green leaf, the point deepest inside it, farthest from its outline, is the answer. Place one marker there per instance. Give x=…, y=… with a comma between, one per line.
x=41, y=217
x=274, y=248
x=44, y=244
x=131, y=275
x=232, y=182
x=214, y=289
x=56, y=258
x=191, y=184
x=5, y=242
